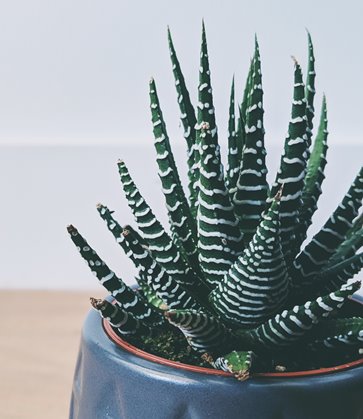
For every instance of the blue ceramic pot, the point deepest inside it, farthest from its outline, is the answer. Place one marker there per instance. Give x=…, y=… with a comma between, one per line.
x=111, y=382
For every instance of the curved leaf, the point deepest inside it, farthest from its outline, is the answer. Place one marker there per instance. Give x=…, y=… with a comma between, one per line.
x=257, y=284
x=189, y=121
x=250, y=197
x=127, y=299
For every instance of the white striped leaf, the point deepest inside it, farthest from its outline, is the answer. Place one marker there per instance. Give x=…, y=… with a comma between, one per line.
x=181, y=221
x=124, y=322
x=250, y=197
x=290, y=326
x=188, y=119
x=219, y=238
x=164, y=285
x=292, y=167
x=204, y=332
x=126, y=298
x=257, y=284
x=315, y=256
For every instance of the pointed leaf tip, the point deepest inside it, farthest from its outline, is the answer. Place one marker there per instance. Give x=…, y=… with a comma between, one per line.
x=96, y=302
x=295, y=60
x=71, y=228
x=203, y=32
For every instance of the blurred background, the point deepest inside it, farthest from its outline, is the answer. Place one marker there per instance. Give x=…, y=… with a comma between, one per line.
x=74, y=98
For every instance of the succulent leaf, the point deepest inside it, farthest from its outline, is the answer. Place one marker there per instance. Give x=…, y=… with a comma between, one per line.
x=138, y=260
x=116, y=230
x=310, y=89
x=336, y=275
x=123, y=321
x=352, y=243
x=316, y=254
x=257, y=284
x=180, y=217
x=336, y=335
x=343, y=343
x=332, y=327
x=248, y=87
x=233, y=150
x=236, y=362
x=161, y=245
x=357, y=225
x=292, y=325
x=250, y=197
x=220, y=240
x=241, y=128
x=314, y=178
x=205, y=108
x=241, y=140
x=164, y=285
x=126, y=298
x=292, y=167
x=189, y=121
x=204, y=332
x=149, y=294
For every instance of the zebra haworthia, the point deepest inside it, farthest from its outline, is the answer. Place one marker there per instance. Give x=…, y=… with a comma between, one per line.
x=230, y=274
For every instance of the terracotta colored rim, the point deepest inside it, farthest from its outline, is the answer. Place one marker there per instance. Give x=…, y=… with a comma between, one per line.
x=163, y=361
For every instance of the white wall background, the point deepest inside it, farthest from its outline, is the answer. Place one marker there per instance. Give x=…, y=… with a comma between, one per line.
x=77, y=71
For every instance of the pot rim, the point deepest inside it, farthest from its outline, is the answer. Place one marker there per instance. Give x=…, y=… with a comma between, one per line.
x=209, y=371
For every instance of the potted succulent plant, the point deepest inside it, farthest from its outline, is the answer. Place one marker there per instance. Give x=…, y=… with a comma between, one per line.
x=231, y=290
